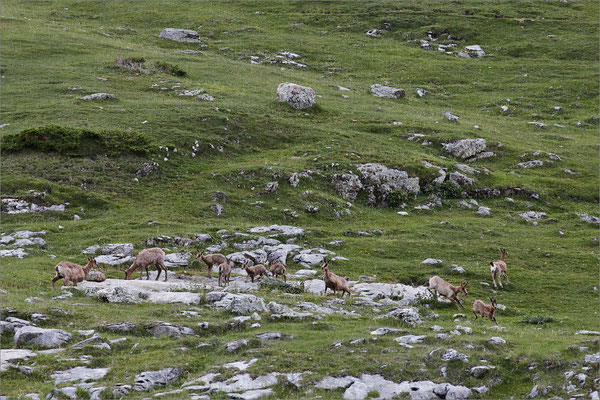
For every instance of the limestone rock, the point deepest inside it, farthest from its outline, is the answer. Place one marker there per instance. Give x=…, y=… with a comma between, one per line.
x=465, y=148
x=48, y=338
x=180, y=35
x=387, y=91
x=298, y=97
x=150, y=379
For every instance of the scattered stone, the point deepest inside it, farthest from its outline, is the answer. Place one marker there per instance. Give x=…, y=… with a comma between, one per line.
x=380, y=181
x=460, y=179
x=298, y=97
x=410, y=315
x=421, y=92
x=95, y=276
x=81, y=374
x=530, y=164
x=242, y=304
x=9, y=355
x=589, y=218
x=475, y=51
x=150, y=379
x=410, y=339
x=180, y=35
x=387, y=91
x=120, y=327
x=253, y=394
x=48, y=338
x=372, y=32
x=592, y=358
x=465, y=148
x=235, y=346
x=538, y=124
x=496, y=340
x=164, y=328
x=206, y=97
x=385, y=331
x=432, y=261
x=452, y=354
x=270, y=336
x=531, y=216
x=485, y=211
x=98, y=96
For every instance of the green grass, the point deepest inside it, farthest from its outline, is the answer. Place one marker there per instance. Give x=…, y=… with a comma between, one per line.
x=540, y=55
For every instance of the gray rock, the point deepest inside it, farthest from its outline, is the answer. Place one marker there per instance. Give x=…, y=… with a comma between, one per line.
x=286, y=230
x=308, y=259
x=306, y=272
x=410, y=339
x=217, y=209
x=117, y=249
x=530, y=164
x=164, y=328
x=180, y=35
x=174, y=297
x=347, y=185
x=81, y=374
x=410, y=315
x=379, y=181
x=534, y=393
x=480, y=370
x=267, y=336
x=463, y=54
x=330, y=382
x=206, y=97
x=95, y=276
x=538, y=124
x=242, y=304
x=9, y=355
x=385, y=331
x=19, y=253
x=531, y=216
x=294, y=179
x=120, y=327
x=235, y=346
x=450, y=117
x=98, y=96
x=432, y=261
x=460, y=179
x=496, y=340
x=452, y=354
x=271, y=187
x=177, y=259
x=298, y=97
x=465, y=148
x=589, y=218
x=47, y=338
x=280, y=311
x=475, y=51
x=592, y=358
x=91, y=250
x=118, y=294
x=253, y=394
x=387, y=91
x=485, y=211
x=150, y=379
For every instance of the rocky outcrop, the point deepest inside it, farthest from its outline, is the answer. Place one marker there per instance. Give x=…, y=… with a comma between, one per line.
x=48, y=338
x=180, y=35
x=387, y=91
x=465, y=148
x=380, y=181
x=298, y=97
x=150, y=379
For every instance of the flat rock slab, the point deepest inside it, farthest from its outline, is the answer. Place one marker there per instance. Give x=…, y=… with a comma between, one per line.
x=48, y=338
x=150, y=379
x=8, y=355
x=175, y=297
x=81, y=374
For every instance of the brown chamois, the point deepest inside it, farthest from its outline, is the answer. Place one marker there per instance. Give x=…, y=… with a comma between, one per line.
x=72, y=272
x=224, y=273
x=278, y=269
x=254, y=271
x=479, y=307
x=443, y=288
x=334, y=282
x=498, y=269
x=211, y=259
x=145, y=258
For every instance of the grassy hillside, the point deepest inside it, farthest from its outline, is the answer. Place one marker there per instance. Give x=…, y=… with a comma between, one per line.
x=539, y=56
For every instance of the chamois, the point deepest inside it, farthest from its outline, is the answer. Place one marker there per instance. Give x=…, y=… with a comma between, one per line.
x=224, y=273
x=144, y=259
x=254, y=271
x=498, y=268
x=212, y=259
x=333, y=281
x=72, y=272
x=278, y=269
x=443, y=288
x=479, y=307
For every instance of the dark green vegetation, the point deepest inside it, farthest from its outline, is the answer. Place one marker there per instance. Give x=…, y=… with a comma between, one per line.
x=541, y=55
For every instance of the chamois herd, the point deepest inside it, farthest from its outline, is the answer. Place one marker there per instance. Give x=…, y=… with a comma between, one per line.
x=75, y=273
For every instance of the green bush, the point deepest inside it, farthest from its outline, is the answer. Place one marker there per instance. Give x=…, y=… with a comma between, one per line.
x=396, y=198
x=75, y=141
x=172, y=69
x=446, y=190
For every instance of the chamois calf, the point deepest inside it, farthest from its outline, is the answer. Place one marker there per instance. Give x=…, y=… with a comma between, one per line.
x=479, y=307
x=498, y=268
x=278, y=269
x=212, y=259
x=254, y=271
x=334, y=282
x=443, y=288
x=144, y=259
x=224, y=273
x=72, y=272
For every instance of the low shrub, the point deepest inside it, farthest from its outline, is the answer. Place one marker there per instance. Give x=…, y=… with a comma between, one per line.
x=537, y=320
x=172, y=69
x=75, y=141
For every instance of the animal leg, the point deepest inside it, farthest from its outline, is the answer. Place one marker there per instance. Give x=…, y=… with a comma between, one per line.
x=506, y=276
x=57, y=277
x=159, y=270
x=475, y=314
x=500, y=281
x=284, y=278
x=494, y=280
